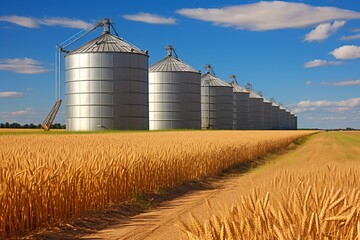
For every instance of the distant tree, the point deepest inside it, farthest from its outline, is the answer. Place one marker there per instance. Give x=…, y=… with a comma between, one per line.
x=7, y=125
x=2, y=125
x=15, y=125
x=32, y=125
x=56, y=126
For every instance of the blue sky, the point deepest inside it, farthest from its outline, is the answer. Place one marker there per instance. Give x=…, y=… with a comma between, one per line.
x=305, y=54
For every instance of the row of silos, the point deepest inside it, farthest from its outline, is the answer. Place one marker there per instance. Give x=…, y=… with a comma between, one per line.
x=110, y=86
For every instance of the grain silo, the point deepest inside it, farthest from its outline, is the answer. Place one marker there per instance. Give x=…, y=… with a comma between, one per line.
x=241, y=105
x=295, y=122
x=216, y=102
x=282, y=118
x=107, y=85
x=287, y=119
x=292, y=121
x=275, y=115
x=174, y=94
x=255, y=109
x=266, y=122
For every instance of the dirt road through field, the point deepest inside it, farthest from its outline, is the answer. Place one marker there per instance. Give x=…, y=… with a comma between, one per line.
x=322, y=149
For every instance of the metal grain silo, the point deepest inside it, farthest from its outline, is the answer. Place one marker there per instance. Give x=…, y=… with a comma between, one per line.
x=107, y=85
x=255, y=109
x=241, y=105
x=282, y=118
x=292, y=121
x=216, y=102
x=174, y=94
x=295, y=122
x=266, y=122
x=287, y=119
x=275, y=115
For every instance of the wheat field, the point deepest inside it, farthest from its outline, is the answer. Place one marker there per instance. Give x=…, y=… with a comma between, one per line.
x=312, y=201
x=45, y=179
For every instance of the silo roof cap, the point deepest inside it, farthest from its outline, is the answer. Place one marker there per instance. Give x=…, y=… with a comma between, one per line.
x=171, y=64
x=209, y=79
x=108, y=43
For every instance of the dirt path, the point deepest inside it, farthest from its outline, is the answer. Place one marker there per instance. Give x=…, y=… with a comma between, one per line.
x=160, y=223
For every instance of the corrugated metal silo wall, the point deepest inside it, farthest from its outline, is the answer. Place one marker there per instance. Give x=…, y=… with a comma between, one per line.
x=174, y=100
x=288, y=120
x=296, y=123
x=275, y=117
x=292, y=121
x=216, y=107
x=106, y=91
x=266, y=123
x=241, y=110
x=282, y=119
x=255, y=113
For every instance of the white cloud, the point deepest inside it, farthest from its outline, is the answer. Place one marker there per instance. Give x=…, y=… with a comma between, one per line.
x=327, y=119
x=150, y=18
x=270, y=15
x=25, y=112
x=11, y=94
x=21, y=21
x=346, y=52
x=351, y=37
x=22, y=65
x=343, y=83
x=48, y=21
x=327, y=106
x=320, y=63
x=323, y=31
x=307, y=83
x=65, y=22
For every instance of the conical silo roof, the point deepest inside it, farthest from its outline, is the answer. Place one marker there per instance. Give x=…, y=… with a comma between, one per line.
x=254, y=94
x=273, y=103
x=108, y=43
x=209, y=79
x=266, y=100
x=171, y=64
x=238, y=88
x=282, y=107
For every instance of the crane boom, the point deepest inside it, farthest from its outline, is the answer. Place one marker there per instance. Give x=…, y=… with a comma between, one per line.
x=60, y=48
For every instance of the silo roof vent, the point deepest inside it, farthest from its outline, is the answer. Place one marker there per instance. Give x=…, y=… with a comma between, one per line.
x=106, y=25
x=235, y=85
